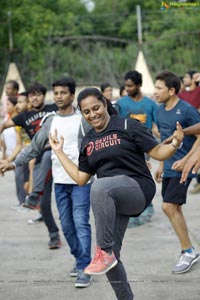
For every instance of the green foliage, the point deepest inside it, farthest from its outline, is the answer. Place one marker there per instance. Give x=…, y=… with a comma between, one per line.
x=55, y=38
x=176, y=45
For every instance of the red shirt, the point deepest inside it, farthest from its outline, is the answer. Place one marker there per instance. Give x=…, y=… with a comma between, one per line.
x=192, y=97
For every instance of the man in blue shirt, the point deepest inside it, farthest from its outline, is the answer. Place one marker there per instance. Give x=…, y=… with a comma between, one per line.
x=171, y=111
x=137, y=106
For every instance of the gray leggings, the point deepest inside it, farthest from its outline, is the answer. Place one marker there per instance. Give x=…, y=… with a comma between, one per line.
x=113, y=200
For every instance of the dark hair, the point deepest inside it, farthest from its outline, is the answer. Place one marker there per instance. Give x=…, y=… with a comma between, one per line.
x=181, y=78
x=67, y=82
x=36, y=87
x=13, y=100
x=121, y=89
x=170, y=79
x=104, y=86
x=96, y=93
x=23, y=94
x=15, y=84
x=135, y=76
x=191, y=73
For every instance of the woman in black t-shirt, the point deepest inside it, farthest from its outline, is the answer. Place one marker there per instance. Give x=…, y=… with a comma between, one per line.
x=114, y=150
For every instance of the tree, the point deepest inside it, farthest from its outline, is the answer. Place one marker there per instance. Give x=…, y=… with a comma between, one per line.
x=53, y=38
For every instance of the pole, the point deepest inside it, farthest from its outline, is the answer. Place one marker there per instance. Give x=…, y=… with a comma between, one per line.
x=10, y=33
x=139, y=24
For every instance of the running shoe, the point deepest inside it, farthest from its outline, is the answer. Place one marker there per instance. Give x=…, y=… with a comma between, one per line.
x=185, y=262
x=36, y=220
x=74, y=271
x=101, y=263
x=54, y=242
x=83, y=280
x=32, y=201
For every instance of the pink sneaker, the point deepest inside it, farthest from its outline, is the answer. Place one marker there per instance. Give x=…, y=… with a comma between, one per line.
x=101, y=263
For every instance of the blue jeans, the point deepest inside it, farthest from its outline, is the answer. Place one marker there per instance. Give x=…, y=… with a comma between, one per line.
x=73, y=203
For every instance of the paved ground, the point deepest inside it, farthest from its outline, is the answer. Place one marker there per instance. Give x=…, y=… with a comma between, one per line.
x=30, y=271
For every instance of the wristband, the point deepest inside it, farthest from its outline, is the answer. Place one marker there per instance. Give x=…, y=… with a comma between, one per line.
x=176, y=147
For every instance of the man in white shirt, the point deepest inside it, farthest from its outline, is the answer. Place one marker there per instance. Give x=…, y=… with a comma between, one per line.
x=73, y=201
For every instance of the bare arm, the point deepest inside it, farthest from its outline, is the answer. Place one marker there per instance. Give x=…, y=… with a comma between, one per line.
x=192, y=130
x=72, y=170
x=3, y=149
x=162, y=152
x=159, y=172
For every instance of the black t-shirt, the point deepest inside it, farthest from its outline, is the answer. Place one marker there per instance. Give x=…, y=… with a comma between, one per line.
x=30, y=120
x=119, y=150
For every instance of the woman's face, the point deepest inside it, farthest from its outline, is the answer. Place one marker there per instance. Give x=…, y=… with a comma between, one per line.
x=95, y=112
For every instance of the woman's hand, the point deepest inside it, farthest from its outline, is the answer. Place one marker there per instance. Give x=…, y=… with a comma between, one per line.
x=55, y=143
x=178, y=135
x=158, y=173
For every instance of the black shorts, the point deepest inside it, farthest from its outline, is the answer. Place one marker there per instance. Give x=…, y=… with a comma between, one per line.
x=173, y=191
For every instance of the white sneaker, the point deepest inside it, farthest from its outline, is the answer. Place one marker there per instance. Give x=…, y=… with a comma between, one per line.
x=185, y=262
x=16, y=206
x=23, y=209
x=36, y=220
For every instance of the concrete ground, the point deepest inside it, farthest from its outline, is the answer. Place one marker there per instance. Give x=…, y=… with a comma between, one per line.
x=30, y=271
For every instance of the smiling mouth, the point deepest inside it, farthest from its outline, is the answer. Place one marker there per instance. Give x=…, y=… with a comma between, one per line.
x=96, y=120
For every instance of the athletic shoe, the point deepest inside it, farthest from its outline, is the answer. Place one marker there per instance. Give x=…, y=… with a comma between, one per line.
x=134, y=222
x=145, y=217
x=36, y=220
x=23, y=209
x=101, y=263
x=148, y=213
x=16, y=206
x=83, y=280
x=32, y=201
x=185, y=262
x=74, y=272
x=54, y=243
